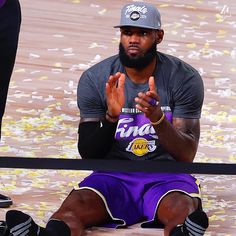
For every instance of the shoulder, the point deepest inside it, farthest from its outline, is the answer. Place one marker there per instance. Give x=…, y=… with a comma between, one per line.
x=175, y=63
x=98, y=74
x=178, y=73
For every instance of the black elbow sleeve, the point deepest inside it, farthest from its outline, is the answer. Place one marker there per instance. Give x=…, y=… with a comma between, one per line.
x=95, y=139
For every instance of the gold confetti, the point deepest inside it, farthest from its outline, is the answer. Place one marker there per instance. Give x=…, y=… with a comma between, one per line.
x=191, y=45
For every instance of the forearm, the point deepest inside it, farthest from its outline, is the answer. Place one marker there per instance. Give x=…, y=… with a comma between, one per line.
x=181, y=144
x=95, y=139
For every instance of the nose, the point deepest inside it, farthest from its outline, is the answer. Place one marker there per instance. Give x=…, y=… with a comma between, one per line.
x=134, y=38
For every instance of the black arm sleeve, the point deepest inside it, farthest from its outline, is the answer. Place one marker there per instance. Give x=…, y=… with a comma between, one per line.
x=95, y=139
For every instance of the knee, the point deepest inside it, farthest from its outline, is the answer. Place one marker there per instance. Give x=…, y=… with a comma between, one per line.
x=175, y=207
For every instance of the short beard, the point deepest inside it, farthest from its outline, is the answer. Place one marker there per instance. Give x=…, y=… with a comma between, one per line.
x=137, y=62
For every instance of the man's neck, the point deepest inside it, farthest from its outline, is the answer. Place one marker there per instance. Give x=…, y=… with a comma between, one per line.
x=142, y=75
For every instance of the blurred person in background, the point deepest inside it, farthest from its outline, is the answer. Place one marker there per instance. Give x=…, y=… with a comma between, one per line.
x=10, y=21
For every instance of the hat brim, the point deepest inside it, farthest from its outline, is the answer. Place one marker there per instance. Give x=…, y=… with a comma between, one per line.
x=138, y=26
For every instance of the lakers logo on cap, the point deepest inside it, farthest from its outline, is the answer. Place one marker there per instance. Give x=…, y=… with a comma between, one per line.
x=134, y=16
x=140, y=14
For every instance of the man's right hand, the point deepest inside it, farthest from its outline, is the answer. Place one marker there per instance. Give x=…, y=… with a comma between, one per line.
x=115, y=94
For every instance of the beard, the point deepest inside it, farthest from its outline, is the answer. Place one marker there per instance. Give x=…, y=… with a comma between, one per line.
x=138, y=62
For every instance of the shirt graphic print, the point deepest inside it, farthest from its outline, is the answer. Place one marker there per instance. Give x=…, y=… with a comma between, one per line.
x=135, y=131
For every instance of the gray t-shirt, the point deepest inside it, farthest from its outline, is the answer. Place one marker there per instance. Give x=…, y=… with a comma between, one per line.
x=181, y=91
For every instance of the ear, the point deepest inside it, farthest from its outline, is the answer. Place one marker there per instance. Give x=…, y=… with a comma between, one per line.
x=159, y=36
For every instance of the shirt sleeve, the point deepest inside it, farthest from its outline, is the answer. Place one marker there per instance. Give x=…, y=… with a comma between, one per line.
x=89, y=98
x=188, y=95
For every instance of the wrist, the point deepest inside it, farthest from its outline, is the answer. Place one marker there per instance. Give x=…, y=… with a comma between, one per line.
x=159, y=121
x=111, y=118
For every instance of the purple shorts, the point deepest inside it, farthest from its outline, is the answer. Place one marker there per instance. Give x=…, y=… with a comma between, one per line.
x=131, y=198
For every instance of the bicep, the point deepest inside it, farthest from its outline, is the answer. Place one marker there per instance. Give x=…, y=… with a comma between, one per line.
x=189, y=127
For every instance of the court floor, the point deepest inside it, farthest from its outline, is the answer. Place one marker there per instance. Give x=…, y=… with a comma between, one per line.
x=58, y=41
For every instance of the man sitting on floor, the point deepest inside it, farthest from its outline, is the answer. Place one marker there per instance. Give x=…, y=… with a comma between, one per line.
x=139, y=105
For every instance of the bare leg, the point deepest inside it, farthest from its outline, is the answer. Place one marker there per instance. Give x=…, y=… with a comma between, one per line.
x=174, y=208
x=81, y=209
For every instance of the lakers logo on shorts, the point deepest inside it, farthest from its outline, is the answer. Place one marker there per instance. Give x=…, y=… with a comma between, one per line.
x=141, y=146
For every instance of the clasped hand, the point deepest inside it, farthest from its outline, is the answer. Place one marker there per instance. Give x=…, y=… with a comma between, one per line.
x=148, y=102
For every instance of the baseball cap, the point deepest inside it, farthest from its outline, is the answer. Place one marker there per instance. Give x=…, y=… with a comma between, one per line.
x=140, y=14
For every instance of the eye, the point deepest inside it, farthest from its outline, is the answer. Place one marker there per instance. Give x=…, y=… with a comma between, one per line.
x=143, y=33
x=126, y=32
